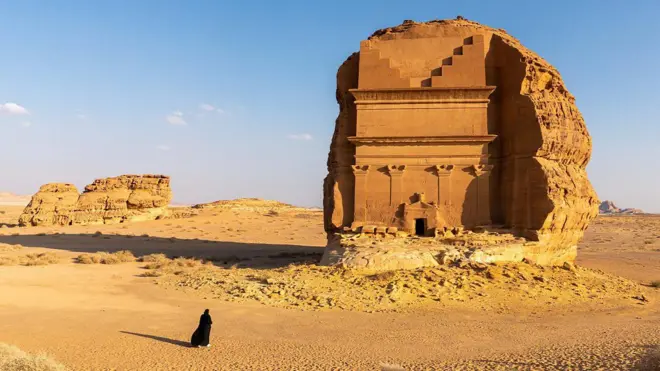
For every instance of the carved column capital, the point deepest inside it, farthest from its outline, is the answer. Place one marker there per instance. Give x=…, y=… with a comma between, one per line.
x=360, y=169
x=443, y=170
x=396, y=169
x=480, y=169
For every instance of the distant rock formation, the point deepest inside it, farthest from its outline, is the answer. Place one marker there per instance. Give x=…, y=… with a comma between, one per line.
x=11, y=199
x=123, y=198
x=244, y=203
x=52, y=205
x=105, y=201
x=609, y=208
x=250, y=204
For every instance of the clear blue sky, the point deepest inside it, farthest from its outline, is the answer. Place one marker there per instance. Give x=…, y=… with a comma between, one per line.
x=108, y=86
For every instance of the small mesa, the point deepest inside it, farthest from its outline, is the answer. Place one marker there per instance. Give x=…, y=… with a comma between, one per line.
x=106, y=201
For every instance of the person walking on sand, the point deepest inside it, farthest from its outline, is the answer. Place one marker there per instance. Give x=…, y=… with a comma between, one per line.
x=201, y=336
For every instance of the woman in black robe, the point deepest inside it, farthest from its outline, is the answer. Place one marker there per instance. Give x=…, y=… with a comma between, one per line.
x=201, y=336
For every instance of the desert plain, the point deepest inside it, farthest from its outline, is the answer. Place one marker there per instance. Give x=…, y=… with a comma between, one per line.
x=253, y=264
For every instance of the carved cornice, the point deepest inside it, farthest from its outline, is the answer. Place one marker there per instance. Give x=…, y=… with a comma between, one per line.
x=449, y=139
x=471, y=94
x=439, y=157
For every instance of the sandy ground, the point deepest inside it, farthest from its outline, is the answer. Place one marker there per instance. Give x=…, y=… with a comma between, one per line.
x=108, y=317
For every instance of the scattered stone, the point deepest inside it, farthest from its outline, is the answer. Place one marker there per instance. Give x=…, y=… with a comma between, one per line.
x=569, y=267
x=491, y=274
x=641, y=298
x=369, y=229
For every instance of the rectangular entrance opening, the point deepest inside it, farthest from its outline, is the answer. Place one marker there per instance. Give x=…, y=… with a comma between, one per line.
x=420, y=226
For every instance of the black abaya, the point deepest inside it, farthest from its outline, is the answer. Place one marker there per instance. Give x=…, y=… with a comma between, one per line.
x=201, y=336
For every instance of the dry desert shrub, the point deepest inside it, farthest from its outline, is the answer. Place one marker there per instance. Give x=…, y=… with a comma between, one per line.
x=153, y=273
x=45, y=258
x=272, y=213
x=152, y=258
x=8, y=260
x=28, y=260
x=655, y=284
x=650, y=360
x=187, y=262
x=5, y=247
x=103, y=257
x=14, y=359
x=160, y=263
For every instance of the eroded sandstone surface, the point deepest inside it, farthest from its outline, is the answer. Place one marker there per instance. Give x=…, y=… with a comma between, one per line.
x=452, y=124
x=53, y=204
x=123, y=198
x=107, y=200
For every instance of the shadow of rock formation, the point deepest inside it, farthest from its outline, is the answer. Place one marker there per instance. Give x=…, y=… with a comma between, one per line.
x=221, y=253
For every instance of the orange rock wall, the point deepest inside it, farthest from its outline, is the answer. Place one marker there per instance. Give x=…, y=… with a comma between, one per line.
x=539, y=185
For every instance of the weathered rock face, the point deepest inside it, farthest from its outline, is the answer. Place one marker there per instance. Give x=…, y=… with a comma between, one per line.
x=108, y=200
x=386, y=252
x=538, y=187
x=52, y=205
x=123, y=198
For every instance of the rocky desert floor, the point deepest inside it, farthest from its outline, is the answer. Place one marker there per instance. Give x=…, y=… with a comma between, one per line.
x=273, y=308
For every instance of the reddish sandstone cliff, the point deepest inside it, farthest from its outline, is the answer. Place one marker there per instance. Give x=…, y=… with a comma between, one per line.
x=540, y=155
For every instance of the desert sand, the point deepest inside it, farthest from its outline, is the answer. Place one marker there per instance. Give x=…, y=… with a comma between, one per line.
x=116, y=317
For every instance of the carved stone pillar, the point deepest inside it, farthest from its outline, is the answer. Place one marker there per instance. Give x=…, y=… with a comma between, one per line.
x=482, y=173
x=396, y=183
x=360, y=172
x=444, y=183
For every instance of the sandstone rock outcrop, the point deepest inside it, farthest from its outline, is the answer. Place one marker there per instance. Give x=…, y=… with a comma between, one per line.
x=609, y=208
x=53, y=204
x=123, y=198
x=108, y=200
x=430, y=77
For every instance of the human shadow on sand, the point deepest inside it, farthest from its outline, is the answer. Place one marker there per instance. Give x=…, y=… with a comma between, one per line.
x=160, y=338
x=221, y=253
